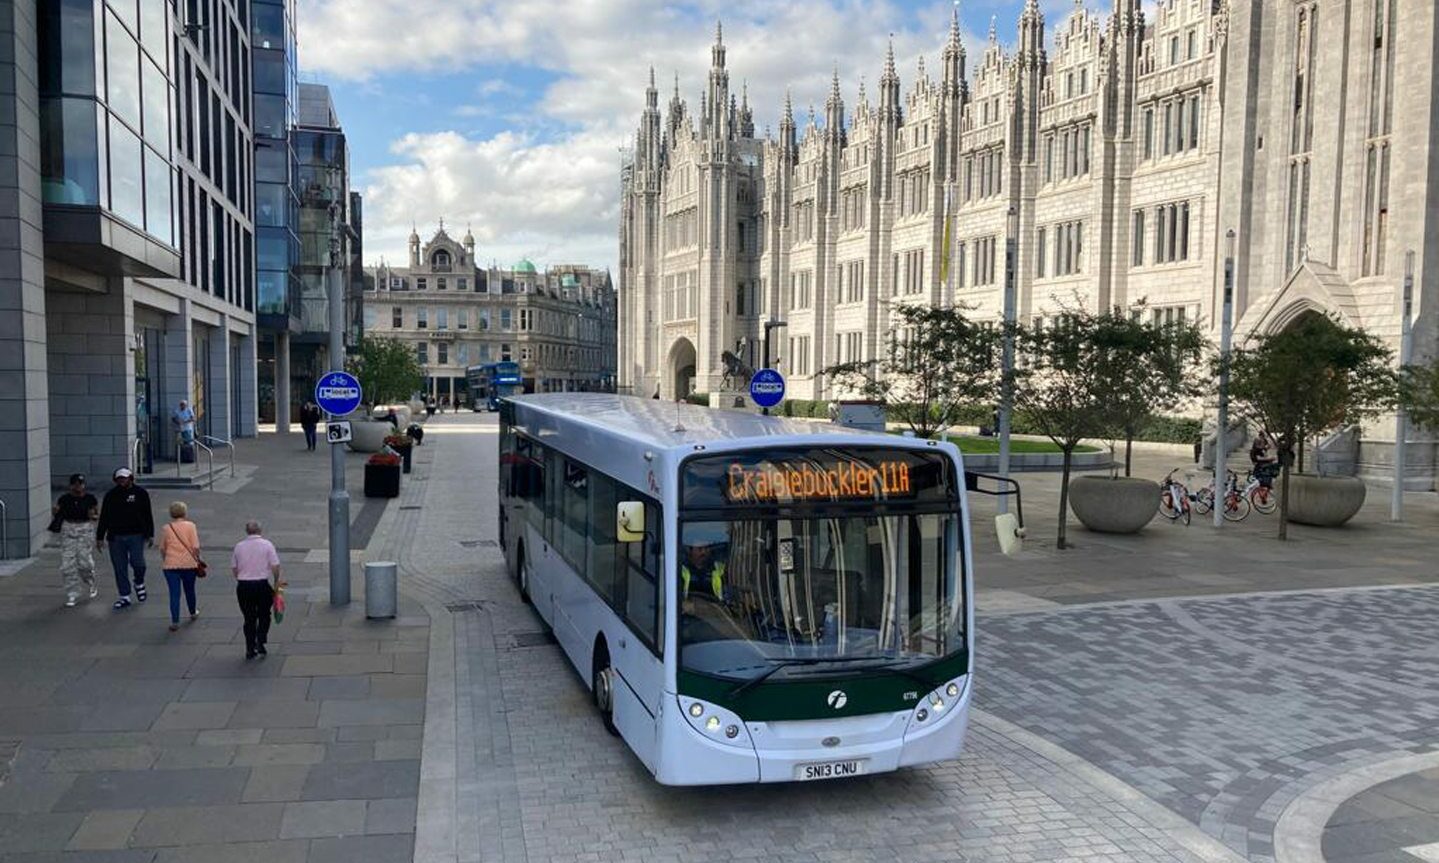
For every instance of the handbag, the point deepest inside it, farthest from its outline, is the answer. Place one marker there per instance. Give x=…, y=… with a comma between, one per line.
x=201, y=569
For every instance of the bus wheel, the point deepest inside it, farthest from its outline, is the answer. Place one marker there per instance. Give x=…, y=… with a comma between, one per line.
x=602, y=686
x=524, y=576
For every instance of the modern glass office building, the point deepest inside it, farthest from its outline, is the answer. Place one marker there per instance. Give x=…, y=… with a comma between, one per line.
x=126, y=199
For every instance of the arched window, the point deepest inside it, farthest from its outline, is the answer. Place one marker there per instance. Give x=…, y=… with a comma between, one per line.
x=440, y=261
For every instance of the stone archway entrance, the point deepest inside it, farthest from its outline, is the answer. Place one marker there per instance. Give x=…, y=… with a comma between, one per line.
x=680, y=374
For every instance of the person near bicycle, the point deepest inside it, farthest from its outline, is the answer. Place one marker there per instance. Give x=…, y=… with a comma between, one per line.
x=1264, y=459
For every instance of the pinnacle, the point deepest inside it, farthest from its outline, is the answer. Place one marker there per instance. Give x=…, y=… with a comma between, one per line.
x=889, y=72
x=993, y=32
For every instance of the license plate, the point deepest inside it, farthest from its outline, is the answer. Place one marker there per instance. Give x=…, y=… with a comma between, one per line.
x=828, y=770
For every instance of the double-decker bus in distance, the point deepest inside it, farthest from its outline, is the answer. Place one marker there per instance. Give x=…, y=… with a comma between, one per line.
x=491, y=382
x=751, y=599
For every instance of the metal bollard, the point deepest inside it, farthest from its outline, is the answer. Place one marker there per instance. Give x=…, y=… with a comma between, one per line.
x=380, y=578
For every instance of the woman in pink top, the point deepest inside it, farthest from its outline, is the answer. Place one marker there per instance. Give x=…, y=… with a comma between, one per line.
x=180, y=546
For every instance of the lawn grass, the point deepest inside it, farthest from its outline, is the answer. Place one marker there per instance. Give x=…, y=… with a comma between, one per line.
x=976, y=445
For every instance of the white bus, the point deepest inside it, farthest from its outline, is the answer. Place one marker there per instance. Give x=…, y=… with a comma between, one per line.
x=752, y=599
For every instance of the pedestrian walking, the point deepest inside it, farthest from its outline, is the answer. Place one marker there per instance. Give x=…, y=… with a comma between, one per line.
x=429, y=408
x=180, y=550
x=75, y=514
x=255, y=564
x=128, y=525
x=309, y=419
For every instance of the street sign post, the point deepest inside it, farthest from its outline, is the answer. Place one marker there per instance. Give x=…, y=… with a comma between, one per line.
x=339, y=432
x=766, y=388
x=337, y=393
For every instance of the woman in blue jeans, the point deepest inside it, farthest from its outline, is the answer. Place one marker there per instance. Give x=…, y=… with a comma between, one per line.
x=180, y=546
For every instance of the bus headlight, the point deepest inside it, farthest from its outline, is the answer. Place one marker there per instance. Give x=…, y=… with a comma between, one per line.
x=952, y=690
x=936, y=702
x=921, y=715
x=714, y=722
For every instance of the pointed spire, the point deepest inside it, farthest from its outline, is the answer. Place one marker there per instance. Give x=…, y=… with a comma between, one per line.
x=652, y=77
x=919, y=72
x=717, y=52
x=744, y=94
x=834, y=84
x=677, y=85
x=954, y=24
x=719, y=32
x=788, y=107
x=861, y=89
x=993, y=31
x=889, y=73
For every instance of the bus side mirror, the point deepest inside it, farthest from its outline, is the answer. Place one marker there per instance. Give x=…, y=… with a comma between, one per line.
x=630, y=521
x=1011, y=535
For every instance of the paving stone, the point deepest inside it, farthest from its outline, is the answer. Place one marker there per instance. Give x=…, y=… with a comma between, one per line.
x=360, y=751
x=38, y=831
x=195, y=715
x=298, y=735
x=204, y=825
x=262, y=754
x=37, y=793
x=228, y=736
x=113, y=758
x=394, y=750
x=122, y=717
x=155, y=788
x=329, y=666
x=392, y=815
x=181, y=757
x=106, y=830
x=363, y=780
x=385, y=711
x=397, y=686
x=363, y=849
x=353, y=733
x=317, y=819
x=278, y=783
x=246, y=689
x=276, y=714
x=275, y=851
x=331, y=688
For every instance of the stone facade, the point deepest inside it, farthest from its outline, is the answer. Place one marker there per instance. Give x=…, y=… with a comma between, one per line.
x=1125, y=148
x=559, y=325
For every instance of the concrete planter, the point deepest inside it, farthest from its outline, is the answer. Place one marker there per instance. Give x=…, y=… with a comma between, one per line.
x=367, y=436
x=1324, y=501
x=1113, y=505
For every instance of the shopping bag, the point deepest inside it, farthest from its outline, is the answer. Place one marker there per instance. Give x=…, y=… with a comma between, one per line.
x=279, y=601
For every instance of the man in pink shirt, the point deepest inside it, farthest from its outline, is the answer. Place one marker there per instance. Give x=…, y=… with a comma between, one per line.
x=255, y=563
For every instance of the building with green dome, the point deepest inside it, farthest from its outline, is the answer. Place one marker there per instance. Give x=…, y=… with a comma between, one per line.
x=558, y=322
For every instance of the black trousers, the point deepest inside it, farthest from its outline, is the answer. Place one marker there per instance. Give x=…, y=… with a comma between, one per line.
x=255, y=601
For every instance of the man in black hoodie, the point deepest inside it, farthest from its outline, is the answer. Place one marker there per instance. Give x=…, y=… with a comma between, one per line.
x=128, y=524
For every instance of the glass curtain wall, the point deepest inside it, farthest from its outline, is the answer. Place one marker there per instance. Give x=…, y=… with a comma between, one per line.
x=276, y=171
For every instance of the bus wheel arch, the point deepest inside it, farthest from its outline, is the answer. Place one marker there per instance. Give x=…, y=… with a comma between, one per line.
x=602, y=681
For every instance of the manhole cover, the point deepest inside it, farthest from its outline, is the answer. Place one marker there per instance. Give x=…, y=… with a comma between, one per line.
x=478, y=543
x=532, y=639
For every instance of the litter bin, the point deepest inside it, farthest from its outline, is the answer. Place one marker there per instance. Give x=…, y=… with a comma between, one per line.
x=380, y=589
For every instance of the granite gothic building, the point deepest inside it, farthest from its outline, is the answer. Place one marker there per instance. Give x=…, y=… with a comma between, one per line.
x=1118, y=150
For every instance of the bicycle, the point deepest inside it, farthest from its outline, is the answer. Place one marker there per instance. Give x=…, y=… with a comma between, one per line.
x=1236, y=503
x=1260, y=492
x=1174, y=499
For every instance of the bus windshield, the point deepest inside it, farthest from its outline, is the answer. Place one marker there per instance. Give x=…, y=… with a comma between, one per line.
x=756, y=592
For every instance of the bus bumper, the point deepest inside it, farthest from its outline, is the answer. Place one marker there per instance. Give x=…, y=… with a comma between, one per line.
x=780, y=751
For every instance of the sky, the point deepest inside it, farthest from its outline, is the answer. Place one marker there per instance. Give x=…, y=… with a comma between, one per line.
x=508, y=117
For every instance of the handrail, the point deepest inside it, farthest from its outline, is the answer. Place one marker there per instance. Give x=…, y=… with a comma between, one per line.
x=219, y=441
x=135, y=455
x=180, y=455
x=4, y=530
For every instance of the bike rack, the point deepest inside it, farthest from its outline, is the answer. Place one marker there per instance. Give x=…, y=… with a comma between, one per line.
x=971, y=483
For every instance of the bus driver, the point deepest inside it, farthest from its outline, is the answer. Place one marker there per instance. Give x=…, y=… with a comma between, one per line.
x=700, y=571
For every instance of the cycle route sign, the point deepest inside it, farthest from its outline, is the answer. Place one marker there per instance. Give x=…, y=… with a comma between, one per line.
x=767, y=388
x=337, y=393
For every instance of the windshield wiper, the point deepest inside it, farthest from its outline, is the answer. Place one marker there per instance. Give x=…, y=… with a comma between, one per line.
x=785, y=663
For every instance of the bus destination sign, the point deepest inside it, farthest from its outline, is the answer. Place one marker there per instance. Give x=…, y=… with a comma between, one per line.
x=776, y=483
x=811, y=475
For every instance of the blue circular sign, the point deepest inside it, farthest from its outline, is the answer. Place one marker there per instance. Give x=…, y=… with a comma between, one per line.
x=337, y=393
x=767, y=388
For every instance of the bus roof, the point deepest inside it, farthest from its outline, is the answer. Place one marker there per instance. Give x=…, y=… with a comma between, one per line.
x=662, y=424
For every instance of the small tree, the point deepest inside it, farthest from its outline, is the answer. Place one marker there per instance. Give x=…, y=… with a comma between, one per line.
x=1419, y=392
x=387, y=368
x=1067, y=381
x=1148, y=368
x=1315, y=375
x=935, y=361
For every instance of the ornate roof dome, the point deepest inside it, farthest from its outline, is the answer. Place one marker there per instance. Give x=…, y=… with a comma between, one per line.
x=525, y=265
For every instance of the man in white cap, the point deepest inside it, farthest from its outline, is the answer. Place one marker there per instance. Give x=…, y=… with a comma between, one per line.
x=128, y=524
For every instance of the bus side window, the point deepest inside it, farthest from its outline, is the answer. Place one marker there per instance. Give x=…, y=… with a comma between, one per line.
x=605, y=549
x=642, y=575
x=574, y=516
x=529, y=479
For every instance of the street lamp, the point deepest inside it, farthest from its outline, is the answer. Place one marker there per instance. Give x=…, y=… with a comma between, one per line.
x=1006, y=383
x=1401, y=419
x=769, y=325
x=1221, y=447
x=339, y=502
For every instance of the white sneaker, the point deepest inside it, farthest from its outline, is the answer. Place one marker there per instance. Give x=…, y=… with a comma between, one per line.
x=94, y=591
x=70, y=600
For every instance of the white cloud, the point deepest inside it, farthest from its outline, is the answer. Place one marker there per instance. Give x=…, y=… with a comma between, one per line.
x=555, y=196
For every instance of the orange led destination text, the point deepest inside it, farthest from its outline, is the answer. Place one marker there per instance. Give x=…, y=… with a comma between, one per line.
x=806, y=482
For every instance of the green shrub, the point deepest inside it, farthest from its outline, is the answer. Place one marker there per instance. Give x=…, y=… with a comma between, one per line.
x=701, y=399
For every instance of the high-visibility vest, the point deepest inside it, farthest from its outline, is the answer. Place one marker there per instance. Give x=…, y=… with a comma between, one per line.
x=716, y=580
